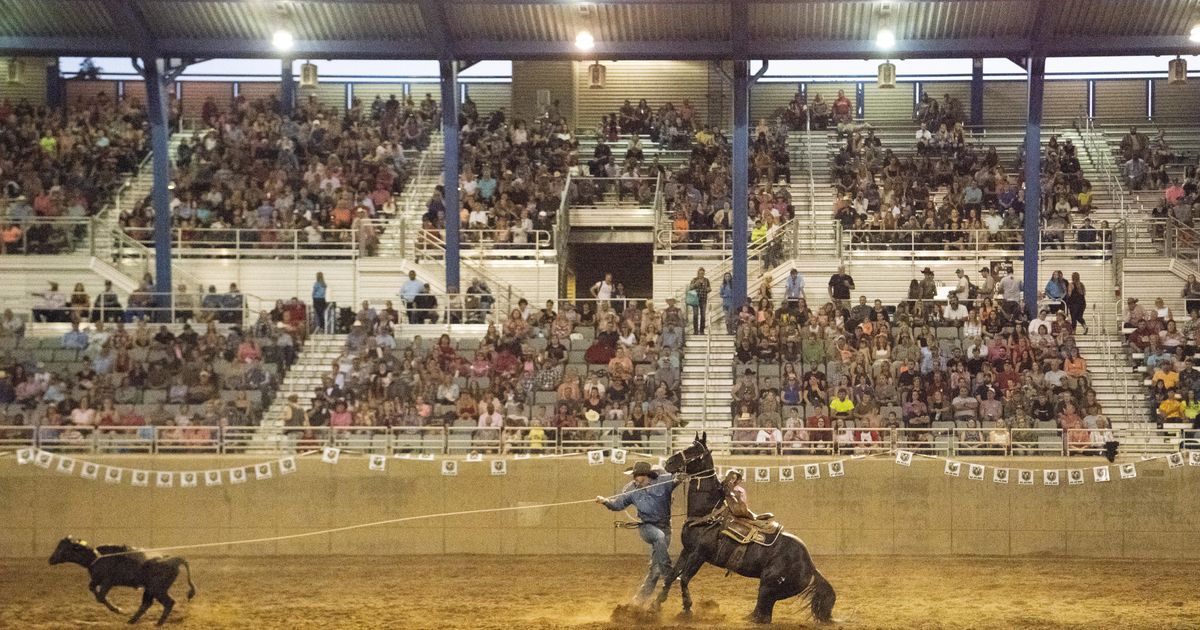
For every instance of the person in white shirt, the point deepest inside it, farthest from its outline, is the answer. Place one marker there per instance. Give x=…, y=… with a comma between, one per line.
x=1043, y=319
x=963, y=288
x=603, y=291
x=954, y=312
x=1010, y=289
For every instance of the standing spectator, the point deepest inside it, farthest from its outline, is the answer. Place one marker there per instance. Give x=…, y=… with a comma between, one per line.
x=793, y=288
x=424, y=307
x=408, y=294
x=318, y=301
x=840, y=285
x=107, y=307
x=727, y=302
x=1010, y=291
x=700, y=287
x=1056, y=290
x=602, y=291
x=1076, y=300
x=1191, y=294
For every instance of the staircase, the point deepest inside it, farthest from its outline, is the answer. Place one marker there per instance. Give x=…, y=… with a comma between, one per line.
x=318, y=354
x=811, y=157
x=706, y=384
x=403, y=229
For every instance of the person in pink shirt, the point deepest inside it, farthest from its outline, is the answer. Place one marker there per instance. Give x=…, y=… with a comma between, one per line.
x=341, y=416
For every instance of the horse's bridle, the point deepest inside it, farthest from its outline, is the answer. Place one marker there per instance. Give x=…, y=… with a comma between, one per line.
x=699, y=476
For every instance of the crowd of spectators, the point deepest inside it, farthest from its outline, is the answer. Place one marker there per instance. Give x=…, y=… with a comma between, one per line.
x=63, y=164
x=316, y=177
x=547, y=374
x=953, y=194
x=1164, y=349
x=973, y=361
x=121, y=382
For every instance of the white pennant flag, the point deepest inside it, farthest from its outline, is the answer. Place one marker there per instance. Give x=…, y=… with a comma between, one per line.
x=617, y=456
x=1050, y=477
x=1025, y=477
x=90, y=471
x=237, y=475
x=403, y=456
x=1193, y=458
x=1100, y=474
x=837, y=469
x=787, y=473
x=113, y=474
x=762, y=474
x=378, y=463
x=43, y=459
x=521, y=456
x=25, y=456
x=287, y=465
x=975, y=472
x=141, y=478
x=1175, y=460
x=449, y=467
x=330, y=455
x=1075, y=477
x=165, y=480
x=1000, y=475
x=904, y=458
x=1128, y=471
x=953, y=468
x=262, y=471
x=499, y=467
x=812, y=471
x=426, y=457
x=212, y=477
x=189, y=479
x=595, y=458
x=66, y=466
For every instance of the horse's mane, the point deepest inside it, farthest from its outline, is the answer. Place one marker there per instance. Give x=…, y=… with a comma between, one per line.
x=107, y=549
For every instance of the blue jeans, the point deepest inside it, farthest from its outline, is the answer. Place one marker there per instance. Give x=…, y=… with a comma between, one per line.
x=660, y=560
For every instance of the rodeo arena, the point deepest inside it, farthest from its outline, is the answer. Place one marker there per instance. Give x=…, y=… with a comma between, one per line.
x=550, y=314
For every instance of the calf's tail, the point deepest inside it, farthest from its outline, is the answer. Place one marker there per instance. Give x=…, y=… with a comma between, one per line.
x=191, y=587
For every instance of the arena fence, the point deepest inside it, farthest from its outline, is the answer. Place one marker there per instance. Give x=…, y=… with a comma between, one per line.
x=468, y=440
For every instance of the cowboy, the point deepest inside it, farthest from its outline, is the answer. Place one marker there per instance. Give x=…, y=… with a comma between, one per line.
x=650, y=493
x=735, y=498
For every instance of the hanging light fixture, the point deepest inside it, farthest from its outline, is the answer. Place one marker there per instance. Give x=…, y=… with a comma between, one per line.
x=886, y=79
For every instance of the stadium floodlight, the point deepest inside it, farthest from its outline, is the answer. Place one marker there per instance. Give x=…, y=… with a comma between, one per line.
x=1195, y=36
x=282, y=40
x=885, y=39
x=584, y=40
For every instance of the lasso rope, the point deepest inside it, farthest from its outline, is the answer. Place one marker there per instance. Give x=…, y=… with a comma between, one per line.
x=390, y=521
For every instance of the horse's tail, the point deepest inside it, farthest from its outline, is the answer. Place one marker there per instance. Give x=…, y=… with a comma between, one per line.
x=821, y=597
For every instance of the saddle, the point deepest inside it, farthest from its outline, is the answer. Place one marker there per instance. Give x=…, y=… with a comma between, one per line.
x=762, y=530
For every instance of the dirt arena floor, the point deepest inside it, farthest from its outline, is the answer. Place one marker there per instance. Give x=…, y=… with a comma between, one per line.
x=581, y=593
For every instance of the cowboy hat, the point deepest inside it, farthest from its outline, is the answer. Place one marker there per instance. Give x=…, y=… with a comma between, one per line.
x=927, y=271
x=644, y=468
x=591, y=415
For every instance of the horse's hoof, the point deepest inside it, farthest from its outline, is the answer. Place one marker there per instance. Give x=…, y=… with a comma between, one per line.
x=684, y=615
x=759, y=619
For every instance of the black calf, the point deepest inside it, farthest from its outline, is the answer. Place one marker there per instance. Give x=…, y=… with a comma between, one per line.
x=118, y=565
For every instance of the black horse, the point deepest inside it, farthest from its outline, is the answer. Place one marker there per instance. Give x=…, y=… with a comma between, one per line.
x=784, y=569
x=118, y=565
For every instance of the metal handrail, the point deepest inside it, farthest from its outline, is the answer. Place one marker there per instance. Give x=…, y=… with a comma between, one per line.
x=469, y=440
x=906, y=242
x=482, y=245
x=437, y=249
x=1107, y=325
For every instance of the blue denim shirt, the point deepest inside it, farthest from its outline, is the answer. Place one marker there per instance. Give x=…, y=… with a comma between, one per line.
x=653, y=502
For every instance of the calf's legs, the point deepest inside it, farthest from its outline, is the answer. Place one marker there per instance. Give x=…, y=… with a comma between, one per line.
x=147, y=599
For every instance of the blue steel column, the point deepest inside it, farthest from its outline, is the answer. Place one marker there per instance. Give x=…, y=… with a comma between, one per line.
x=450, y=172
x=287, y=88
x=741, y=176
x=156, y=111
x=976, y=94
x=1033, y=181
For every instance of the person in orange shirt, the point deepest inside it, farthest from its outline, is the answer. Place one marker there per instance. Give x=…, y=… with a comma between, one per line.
x=1076, y=369
x=1171, y=409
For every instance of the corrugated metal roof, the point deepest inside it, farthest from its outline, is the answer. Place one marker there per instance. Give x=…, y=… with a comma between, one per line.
x=513, y=22
x=1126, y=17
x=858, y=20
x=306, y=20
x=35, y=18
x=607, y=22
